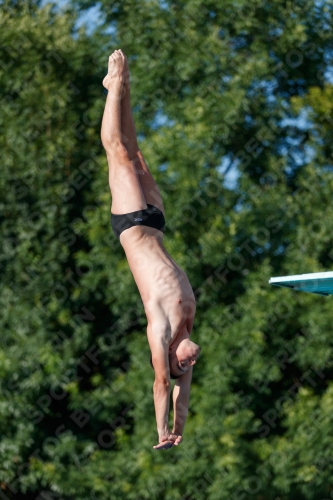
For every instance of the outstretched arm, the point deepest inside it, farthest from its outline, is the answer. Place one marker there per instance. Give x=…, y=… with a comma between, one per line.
x=162, y=402
x=181, y=399
x=162, y=390
x=162, y=385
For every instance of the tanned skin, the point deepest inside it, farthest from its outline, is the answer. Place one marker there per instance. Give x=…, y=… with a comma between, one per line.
x=166, y=293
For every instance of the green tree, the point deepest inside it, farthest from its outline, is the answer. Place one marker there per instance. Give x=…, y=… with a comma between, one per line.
x=215, y=87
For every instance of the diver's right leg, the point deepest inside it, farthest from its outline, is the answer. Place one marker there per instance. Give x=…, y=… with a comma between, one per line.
x=126, y=191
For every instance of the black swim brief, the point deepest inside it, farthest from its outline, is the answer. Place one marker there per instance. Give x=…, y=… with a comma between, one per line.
x=151, y=216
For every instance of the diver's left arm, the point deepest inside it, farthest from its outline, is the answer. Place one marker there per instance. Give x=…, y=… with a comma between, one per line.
x=181, y=399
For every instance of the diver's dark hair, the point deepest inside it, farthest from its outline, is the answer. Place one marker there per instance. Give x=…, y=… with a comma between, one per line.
x=171, y=375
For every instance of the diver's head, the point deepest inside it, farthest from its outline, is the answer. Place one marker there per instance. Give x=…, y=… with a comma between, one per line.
x=182, y=357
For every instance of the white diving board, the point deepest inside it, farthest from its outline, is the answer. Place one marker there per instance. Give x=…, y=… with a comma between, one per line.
x=320, y=283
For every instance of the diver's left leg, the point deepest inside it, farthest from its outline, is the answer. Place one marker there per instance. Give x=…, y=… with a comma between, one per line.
x=129, y=139
x=126, y=191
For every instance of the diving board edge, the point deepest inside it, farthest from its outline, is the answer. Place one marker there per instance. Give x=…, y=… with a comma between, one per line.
x=318, y=283
x=301, y=277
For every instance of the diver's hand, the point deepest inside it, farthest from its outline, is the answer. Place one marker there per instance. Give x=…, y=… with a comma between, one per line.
x=168, y=441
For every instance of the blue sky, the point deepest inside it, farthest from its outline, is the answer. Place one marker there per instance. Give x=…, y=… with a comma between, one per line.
x=90, y=18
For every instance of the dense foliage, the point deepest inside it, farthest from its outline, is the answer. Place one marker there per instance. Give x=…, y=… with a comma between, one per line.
x=220, y=91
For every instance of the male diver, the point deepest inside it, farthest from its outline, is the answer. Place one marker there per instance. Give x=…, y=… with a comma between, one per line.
x=137, y=219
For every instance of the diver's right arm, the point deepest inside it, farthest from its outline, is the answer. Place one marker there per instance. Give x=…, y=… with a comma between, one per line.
x=162, y=386
x=162, y=392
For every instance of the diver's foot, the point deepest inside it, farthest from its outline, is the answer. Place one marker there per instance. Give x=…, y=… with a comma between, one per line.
x=117, y=79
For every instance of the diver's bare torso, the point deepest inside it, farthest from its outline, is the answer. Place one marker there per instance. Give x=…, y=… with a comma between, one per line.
x=165, y=290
